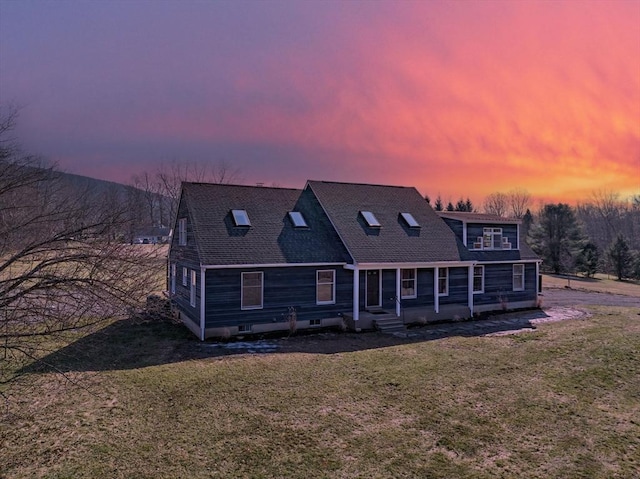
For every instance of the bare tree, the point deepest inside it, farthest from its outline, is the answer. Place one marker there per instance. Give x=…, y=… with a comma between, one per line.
x=496, y=204
x=165, y=183
x=519, y=201
x=60, y=269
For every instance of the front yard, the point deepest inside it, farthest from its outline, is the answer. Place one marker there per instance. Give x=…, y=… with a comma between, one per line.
x=149, y=401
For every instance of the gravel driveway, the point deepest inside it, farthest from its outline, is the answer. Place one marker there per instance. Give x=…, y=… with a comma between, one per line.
x=576, y=297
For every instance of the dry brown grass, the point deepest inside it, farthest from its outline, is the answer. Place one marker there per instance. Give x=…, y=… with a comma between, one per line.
x=555, y=403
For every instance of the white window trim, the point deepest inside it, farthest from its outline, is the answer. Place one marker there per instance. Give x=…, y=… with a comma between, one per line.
x=192, y=292
x=521, y=286
x=333, y=285
x=446, y=273
x=415, y=283
x=478, y=291
x=172, y=287
x=182, y=232
x=410, y=220
x=241, y=218
x=297, y=219
x=370, y=219
x=185, y=276
x=261, y=306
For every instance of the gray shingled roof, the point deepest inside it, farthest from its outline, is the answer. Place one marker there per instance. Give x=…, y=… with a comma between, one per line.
x=271, y=239
x=469, y=217
x=394, y=241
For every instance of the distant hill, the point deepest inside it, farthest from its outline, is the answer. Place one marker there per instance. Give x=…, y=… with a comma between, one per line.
x=94, y=184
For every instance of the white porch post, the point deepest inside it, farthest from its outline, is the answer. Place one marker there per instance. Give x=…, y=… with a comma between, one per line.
x=470, y=294
x=356, y=294
x=537, y=279
x=398, y=292
x=436, y=298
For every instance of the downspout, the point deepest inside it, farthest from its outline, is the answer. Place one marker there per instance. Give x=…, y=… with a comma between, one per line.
x=202, y=298
x=356, y=295
x=436, y=297
x=398, y=287
x=470, y=293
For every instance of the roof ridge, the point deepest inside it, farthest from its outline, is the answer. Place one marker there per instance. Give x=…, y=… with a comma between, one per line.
x=231, y=185
x=360, y=184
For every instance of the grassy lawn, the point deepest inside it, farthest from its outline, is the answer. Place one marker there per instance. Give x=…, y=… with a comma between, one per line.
x=601, y=283
x=560, y=402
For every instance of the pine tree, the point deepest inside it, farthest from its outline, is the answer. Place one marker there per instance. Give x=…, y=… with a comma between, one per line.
x=587, y=260
x=557, y=236
x=620, y=256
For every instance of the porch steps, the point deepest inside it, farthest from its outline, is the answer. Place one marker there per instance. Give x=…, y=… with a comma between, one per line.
x=389, y=324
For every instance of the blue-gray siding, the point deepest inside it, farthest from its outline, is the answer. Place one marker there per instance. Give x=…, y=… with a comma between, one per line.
x=282, y=288
x=458, y=287
x=498, y=285
x=185, y=256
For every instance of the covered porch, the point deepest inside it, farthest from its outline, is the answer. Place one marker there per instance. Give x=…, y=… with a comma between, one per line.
x=410, y=292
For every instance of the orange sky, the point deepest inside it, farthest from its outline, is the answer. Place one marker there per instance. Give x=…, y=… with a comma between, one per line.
x=455, y=98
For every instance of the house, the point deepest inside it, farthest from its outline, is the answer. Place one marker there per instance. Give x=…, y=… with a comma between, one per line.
x=151, y=235
x=247, y=259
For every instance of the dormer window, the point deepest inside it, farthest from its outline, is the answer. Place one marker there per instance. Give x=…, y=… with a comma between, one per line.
x=240, y=217
x=371, y=220
x=492, y=239
x=410, y=220
x=297, y=219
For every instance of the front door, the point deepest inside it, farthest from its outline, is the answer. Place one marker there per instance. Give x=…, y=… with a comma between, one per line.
x=373, y=289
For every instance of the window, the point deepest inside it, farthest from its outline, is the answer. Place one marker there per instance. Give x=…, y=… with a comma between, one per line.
x=518, y=277
x=240, y=218
x=185, y=276
x=244, y=328
x=371, y=219
x=252, y=290
x=410, y=220
x=182, y=231
x=478, y=279
x=325, y=286
x=492, y=239
x=408, y=283
x=297, y=219
x=315, y=322
x=192, y=296
x=173, y=279
x=443, y=281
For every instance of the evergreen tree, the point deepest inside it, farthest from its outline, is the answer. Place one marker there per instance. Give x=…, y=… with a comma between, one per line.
x=450, y=206
x=557, y=237
x=620, y=256
x=463, y=205
x=636, y=266
x=587, y=260
x=469, y=205
x=527, y=221
x=438, y=204
x=428, y=200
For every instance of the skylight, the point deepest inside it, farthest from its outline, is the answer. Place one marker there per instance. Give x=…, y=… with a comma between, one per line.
x=370, y=218
x=240, y=217
x=410, y=220
x=297, y=219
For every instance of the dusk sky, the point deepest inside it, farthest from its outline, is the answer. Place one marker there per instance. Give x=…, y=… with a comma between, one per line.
x=457, y=98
